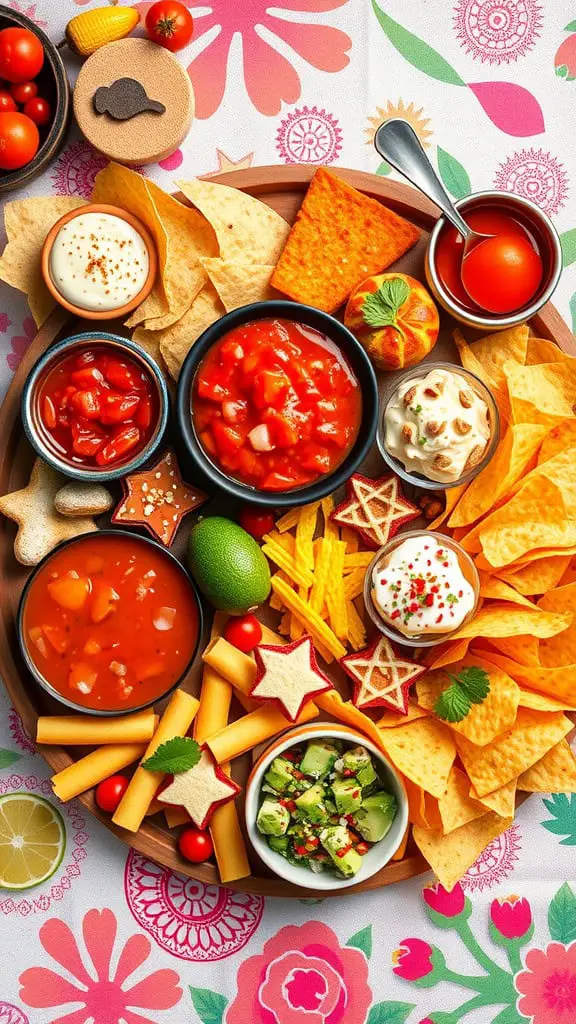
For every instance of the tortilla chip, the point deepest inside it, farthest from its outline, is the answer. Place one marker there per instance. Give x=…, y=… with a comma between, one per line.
x=523, y=649
x=541, y=702
x=492, y=766
x=451, y=497
x=491, y=586
x=392, y=719
x=457, y=807
x=558, y=684
x=176, y=341
x=485, y=721
x=553, y=773
x=424, y=751
x=447, y=653
x=539, y=576
x=543, y=393
x=150, y=342
x=560, y=650
x=500, y=618
x=541, y=350
x=399, y=855
x=248, y=231
x=450, y=856
x=471, y=362
x=238, y=284
x=339, y=238
x=493, y=351
x=502, y=801
x=569, y=575
x=562, y=436
x=27, y=222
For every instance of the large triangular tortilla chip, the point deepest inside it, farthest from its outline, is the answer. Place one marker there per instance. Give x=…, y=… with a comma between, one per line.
x=424, y=751
x=485, y=721
x=450, y=856
x=239, y=284
x=176, y=341
x=553, y=773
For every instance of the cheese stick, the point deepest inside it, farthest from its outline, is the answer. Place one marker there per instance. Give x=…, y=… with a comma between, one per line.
x=175, y=721
x=229, y=845
x=81, y=730
x=233, y=665
x=215, y=697
x=252, y=729
x=98, y=765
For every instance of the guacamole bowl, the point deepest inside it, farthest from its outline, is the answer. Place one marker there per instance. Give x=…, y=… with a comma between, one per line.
x=384, y=809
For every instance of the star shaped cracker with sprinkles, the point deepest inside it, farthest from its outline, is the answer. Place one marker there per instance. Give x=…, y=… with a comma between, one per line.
x=375, y=508
x=382, y=677
x=289, y=676
x=158, y=499
x=200, y=790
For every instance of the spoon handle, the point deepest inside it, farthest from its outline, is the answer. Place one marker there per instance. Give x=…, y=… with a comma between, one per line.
x=397, y=142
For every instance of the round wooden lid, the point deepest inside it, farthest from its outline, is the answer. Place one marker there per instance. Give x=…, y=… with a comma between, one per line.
x=134, y=135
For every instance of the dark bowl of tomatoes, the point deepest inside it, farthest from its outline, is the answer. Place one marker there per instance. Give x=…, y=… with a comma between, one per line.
x=35, y=103
x=277, y=404
x=95, y=407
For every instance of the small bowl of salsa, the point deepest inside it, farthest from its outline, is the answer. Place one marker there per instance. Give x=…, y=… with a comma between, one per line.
x=109, y=623
x=95, y=406
x=277, y=403
x=512, y=279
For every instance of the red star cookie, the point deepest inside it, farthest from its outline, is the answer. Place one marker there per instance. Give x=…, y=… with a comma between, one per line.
x=200, y=790
x=289, y=676
x=158, y=499
x=375, y=508
x=382, y=677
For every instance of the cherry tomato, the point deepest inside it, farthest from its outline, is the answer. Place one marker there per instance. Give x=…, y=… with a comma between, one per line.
x=110, y=791
x=7, y=103
x=243, y=632
x=503, y=273
x=195, y=845
x=38, y=110
x=19, y=140
x=21, y=54
x=256, y=521
x=24, y=91
x=169, y=24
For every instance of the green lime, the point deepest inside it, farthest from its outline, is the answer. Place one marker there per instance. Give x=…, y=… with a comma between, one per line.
x=228, y=565
x=32, y=840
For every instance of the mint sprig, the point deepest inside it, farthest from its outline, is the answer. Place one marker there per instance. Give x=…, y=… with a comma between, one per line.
x=470, y=686
x=380, y=308
x=176, y=755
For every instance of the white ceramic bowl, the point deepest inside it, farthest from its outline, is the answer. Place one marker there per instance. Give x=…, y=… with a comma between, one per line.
x=378, y=855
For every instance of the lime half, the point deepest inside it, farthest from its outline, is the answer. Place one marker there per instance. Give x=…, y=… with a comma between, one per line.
x=32, y=840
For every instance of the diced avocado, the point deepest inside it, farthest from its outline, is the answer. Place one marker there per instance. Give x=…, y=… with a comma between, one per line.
x=279, y=844
x=347, y=794
x=359, y=761
x=375, y=816
x=319, y=758
x=335, y=840
x=311, y=804
x=273, y=819
x=280, y=775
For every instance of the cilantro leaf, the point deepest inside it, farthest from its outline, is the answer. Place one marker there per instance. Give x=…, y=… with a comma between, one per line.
x=380, y=308
x=176, y=755
x=453, y=704
x=475, y=682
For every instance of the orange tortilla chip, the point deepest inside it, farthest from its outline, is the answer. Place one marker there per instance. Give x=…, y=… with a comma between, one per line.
x=485, y=721
x=392, y=719
x=491, y=586
x=560, y=684
x=559, y=650
x=539, y=576
x=562, y=436
x=450, y=856
x=423, y=751
x=399, y=855
x=500, y=618
x=339, y=238
x=523, y=649
x=447, y=653
x=553, y=773
x=457, y=807
x=541, y=702
x=541, y=350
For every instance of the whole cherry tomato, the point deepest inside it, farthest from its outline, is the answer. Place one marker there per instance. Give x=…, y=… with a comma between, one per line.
x=256, y=521
x=195, y=845
x=19, y=140
x=7, y=102
x=243, y=632
x=24, y=91
x=502, y=273
x=110, y=791
x=169, y=24
x=38, y=110
x=21, y=54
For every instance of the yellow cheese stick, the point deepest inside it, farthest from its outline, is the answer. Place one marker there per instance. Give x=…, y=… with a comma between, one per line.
x=248, y=732
x=175, y=721
x=175, y=815
x=215, y=697
x=229, y=845
x=231, y=664
x=80, y=730
x=98, y=765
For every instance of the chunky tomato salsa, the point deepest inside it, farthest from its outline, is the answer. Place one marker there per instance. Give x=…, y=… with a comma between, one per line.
x=110, y=622
x=275, y=404
x=97, y=407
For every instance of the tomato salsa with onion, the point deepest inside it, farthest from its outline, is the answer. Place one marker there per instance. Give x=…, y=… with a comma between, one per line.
x=275, y=404
x=97, y=407
x=110, y=622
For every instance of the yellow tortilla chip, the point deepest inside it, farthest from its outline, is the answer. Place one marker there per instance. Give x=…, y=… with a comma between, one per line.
x=485, y=721
x=27, y=222
x=450, y=856
x=561, y=649
x=424, y=751
x=175, y=342
x=503, y=619
x=248, y=231
x=491, y=586
x=471, y=362
x=541, y=350
x=238, y=284
x=495, y=764
x=493, y=351
x=562, y=436
x=560, y=684
x=539, y=576
x=553, y=773
x=456, y=806
x=392, y=719
x=502, y=801
x=541, y=394
x=541, y=702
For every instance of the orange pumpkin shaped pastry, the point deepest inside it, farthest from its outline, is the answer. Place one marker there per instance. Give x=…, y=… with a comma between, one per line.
x=394, y=318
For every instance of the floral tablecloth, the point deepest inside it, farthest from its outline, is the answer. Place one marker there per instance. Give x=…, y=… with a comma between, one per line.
x=113, y=937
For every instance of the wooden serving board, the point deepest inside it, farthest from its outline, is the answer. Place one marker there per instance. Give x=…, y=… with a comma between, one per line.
x=282, y=188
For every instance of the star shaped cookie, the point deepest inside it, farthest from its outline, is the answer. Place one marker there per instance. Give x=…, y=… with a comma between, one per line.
x=158, y=499
x=289, y=676
x=375, y=508
x=382, y=677
x=200, y=790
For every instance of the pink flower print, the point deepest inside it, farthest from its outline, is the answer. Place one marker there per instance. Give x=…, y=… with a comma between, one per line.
x=172, y=162
x=19, y=734
x=497, y=31
x=448, y=904
x=10, y=1014
x=535, y=175
x=413, y=960
x=309, y=136
x=103, y=997
x=30, y=11
x=269, y=77
x=76, y=169
x=547, y=986
x=302, y=976
x=495, y=863
x=511, y=916
x=565, y=59
x=20, y=343
x=5, y=323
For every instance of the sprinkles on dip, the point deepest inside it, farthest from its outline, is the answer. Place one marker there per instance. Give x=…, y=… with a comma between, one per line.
x=158, y=499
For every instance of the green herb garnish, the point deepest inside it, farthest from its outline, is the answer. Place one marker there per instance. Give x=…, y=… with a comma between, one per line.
x=422, y=440
x=381, y=308
x=176, y=755
x=470, y=686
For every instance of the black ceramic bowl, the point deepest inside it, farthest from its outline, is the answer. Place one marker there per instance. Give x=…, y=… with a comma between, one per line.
x=354, y=354
x=35, y=672
x=54, y=87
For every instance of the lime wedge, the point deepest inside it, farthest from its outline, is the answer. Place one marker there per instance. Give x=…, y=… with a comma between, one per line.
x=32, y=840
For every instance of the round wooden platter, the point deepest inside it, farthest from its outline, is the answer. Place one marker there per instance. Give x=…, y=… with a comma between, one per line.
x=282, y=188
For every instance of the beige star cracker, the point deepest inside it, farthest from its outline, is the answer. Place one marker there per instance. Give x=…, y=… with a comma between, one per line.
x=200, y=790
x=289, y=676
